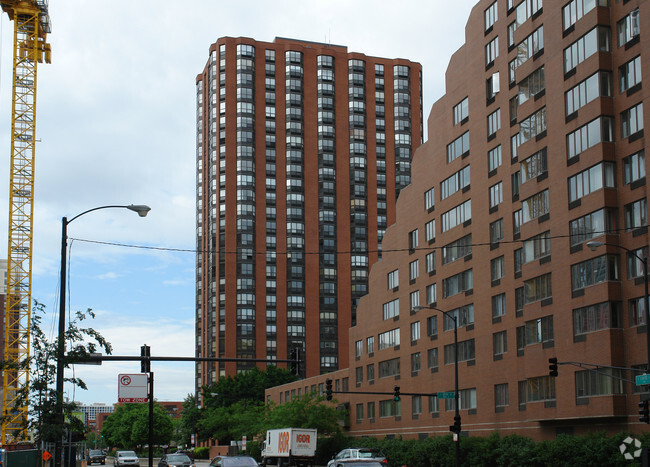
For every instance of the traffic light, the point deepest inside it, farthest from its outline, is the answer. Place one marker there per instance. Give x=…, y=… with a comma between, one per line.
x=455, y=428
x=552, y=368
x=396, y=394
x=145, y=364
x=295, y=361
x=644, y=412
x=328, y=389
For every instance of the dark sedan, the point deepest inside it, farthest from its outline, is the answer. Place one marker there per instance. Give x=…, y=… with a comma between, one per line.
x=234, y=461
x=95, y=456
x=175, y=460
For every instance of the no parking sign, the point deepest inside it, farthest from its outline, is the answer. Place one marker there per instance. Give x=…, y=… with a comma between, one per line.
x=132, y=388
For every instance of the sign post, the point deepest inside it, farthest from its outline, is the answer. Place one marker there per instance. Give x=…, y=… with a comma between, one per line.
x=132, y=388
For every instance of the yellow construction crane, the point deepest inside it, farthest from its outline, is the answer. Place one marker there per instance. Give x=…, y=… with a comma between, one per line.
x=31, y=26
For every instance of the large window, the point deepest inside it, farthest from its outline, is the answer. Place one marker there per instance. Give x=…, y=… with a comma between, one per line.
x=494, y=158
x=634, y=263
x=535, y=331
x=499, y=343
x=596, y=317
x=595, y=40
x=576, y=9
x=595, y=178
x=496, y=194
x=389, y=339
x=634, y=167
x=498, y=305
x=457, y=215
x=467, y=400
x=458, y=147
x=431, y=294
x=636, y=214
x=526, y=49
x=457, y=249
x=461, y=111
x=501, y=398
x=432, y=358
x=492, y=50
x=597, y=85
x=456, y=182
x=595, y=132
x=391, y=309
x=429, y=198
x=389, y=368
x=537, y=247
x=628, y=28
x=496, y=231
x=497, y=268
x=629, y=74
x=430, y=230
x=604, y=382
x=524, y=10
x=457, y=283
x=527, y=88
x=636, y=308
x=529, y=128
x=393, y=279
x=591, y=225
x=465, y=352
x=594, y=271
x=414, y=269
x=491, y=16
x=464, y=316
x=535, y=206
x=390, y=408
x=537, y=389
x=537, y=288
x=632, y=120
x=533, y=166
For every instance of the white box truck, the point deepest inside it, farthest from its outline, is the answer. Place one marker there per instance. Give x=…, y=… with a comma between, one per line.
x=289, y=447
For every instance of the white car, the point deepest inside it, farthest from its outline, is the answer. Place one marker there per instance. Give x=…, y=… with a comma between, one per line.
x=353, y=455
x=126, y=458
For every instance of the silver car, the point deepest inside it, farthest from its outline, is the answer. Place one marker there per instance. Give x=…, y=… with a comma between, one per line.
x=358, y=454
x=126, y=458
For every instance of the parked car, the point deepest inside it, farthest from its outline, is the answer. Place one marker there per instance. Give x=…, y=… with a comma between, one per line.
x=95, y=456
x=176, y=460
x=358, y=463
x=126, y=458
x=357, y=454
x=233, y=461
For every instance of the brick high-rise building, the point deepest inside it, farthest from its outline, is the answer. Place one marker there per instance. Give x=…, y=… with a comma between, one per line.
x=302, y=149
x=536, y=149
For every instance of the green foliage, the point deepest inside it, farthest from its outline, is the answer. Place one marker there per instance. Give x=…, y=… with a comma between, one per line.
x=201, y=453
x=232, y=422
x=128, y=426
x=187, y=425
x=307, y=411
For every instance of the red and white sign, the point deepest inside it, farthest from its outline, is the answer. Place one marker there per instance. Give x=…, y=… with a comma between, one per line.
x=132, y=388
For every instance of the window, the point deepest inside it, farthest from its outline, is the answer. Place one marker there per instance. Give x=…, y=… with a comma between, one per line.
x=458, y=147
x=496, y=231
x=500, y=343
x=494, y=158
x=594, y=271
x=359, y=375
x=525, y=10
x=415, y=362
x=491, y=16
x=389, y=368
x=429, y=198
x=391, y=309
x=530, y=46
x=371, y=410
x=496, y=194
x=629, y=75
x=413, y=239
x=597, y=85
x=533, y=166
x=463, y=316
x=636, y=307
x=592, y=318
x=498, y=305
x=576, y=9
x=456, y=182
x=467, y=400
x=634, y=167
x=628, y=28
x=457, y=215
x=501, y=399
x=529, y=128
x=359, y=413
x=431, y=262
x=594, y=41
x=535, y=206
x=537, y=288
x=461, y=111
x=590, y=180
x=537, y=247
x=393, y=279
x=492, y=86
x=497, y=268
x=414, y=269
x=632, y=120
x=465, y=352
x=390, y=408
x=457, y=249
x=591, y=225
x=537, y=389
x=389, y=339
x=457, y=283
x=634, y=263
x=430, y=230
x=358, y=348
x=595, y=132
x=432, y=294
x=432, y=326
x=636, y=214
x=604, y=382
x=535, y=331
x=370, y=344
x=528, y=87
x=432, y=358
x=415, y=299
x=493, y=122
x=492, y=51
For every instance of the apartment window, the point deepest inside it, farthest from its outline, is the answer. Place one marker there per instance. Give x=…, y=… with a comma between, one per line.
x=393, y=279
x=462, y=316
x=429, y=198
x=576, y=9
x=498, y=305
x=636, y=308
x=465, y=352
x=432, y=294
x=457, y=283
x=632, y=120
x=518, y=255
x=461, y=111
x=415, y=299
x=358, y=345
x=529, y=128
x=499, y=343
x=492, y=86
x=491, y=16
x=537, y=389
x=629, y=74
x=594, y=41
x=535, y=206
x=496, y=231
x=634, y=263
x=533, y=166
x=535, y=331
x=594, y=271
x=493, y=122
x=432, y=358
x=496, y=194
x=592, y=318
x=494, y=158
x=389, y=368
x=430, y=259
x=467, y=400
x=458, y=147
x=430, y=230
x=537, y=247
x=538, y=288
x=528, y=87
x=524, y=10
x=634, y=167
x=636, y=214
x=604, y=382
x=432, y=326
x=501, y=398
x=594, y=178
x=370, y=372
x=497, y=268
x=371, y=410
x=628, y=28
x=359, y=413
x=370, y=344
x=597, y=85
x=526, y=49
x=391, y=309
x=591, y=225
x=389, y=339
x=413, y=239
x=457, y=215
x=359, y=375
x=456, y=182
x=414, y=269
x=457, y=249
x=492, y=51
x=390, y=408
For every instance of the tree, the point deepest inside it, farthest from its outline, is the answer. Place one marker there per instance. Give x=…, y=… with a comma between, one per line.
x=307, y=411
x=190, y=416
x=41, y=391
x=128, y=426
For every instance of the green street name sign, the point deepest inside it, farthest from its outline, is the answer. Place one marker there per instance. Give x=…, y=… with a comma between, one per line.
x=451, y=394
x=642, y=380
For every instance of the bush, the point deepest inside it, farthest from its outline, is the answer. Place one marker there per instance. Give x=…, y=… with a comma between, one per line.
x=201, y=452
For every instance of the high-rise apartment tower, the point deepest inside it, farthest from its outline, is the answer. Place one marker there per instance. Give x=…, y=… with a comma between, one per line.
x=302, y=149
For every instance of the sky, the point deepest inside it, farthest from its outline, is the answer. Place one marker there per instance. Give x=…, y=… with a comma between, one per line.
x=116, y=125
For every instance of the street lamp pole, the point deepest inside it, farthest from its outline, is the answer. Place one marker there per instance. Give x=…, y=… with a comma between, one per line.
x=142, y=211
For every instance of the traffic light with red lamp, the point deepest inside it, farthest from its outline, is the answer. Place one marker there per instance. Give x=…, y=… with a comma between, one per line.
x=328, y=389
x=552, y=367
x=455, y=428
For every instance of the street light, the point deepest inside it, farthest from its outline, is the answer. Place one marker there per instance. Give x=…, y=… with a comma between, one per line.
x=456, y=427
x=646, y=301
x=142, y=211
